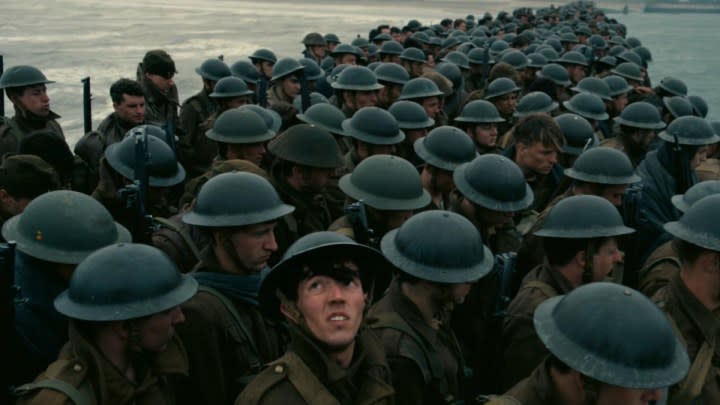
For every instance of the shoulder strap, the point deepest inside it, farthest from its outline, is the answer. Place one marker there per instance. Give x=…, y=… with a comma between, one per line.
x=182, y=232
x=691, y=387
x=672, y=259
x=78, y=397
x=544, y=287
x=425, y=358
x=307, y=384
x=255, y=362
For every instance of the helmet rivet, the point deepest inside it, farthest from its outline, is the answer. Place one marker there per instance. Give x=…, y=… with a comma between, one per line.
x=38, y=235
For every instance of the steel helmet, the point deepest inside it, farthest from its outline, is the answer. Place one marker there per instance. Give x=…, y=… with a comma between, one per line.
x=124, y=281
x=505, y=191
x=603, y=165
x=446, y=148
x=583, y=217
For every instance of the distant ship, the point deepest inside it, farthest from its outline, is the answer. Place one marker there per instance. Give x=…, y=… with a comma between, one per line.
x=682, y=7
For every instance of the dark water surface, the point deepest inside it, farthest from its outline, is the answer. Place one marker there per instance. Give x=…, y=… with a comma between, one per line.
x=71, y=39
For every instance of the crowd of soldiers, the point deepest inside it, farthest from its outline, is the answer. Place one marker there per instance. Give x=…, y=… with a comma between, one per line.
x=498, y=210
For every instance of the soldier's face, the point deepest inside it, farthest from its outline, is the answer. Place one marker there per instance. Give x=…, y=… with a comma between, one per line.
x=348, y=59
x=254, y=244
x=365, y=99
x=485, y=135
x=506, y=104
x=614, y=193
x=318, y=51
x=163, y=83
x=253, y=152
x=291, y=86
x=266, y=68
x=431, y=106
x=620, y=102
x=390, y=93
x=536, y=157
x=131, y=109
x=607, y=255
x=576, y=73
x=611, y=394
x=332, y=309
x=157, y=330
x=36, y=100
x=416, y=69
x=700, y=156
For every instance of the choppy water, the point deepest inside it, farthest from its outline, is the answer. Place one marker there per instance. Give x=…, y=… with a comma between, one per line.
x=71, y=39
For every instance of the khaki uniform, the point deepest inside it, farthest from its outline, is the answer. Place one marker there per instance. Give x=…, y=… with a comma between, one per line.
x=279, y=102
x=306, y=375
x=699, y=329
x=224, y=353
x=86, y=370
x=15, y=129
x=536, y=389
x=523, y=349
x=159, y=107
x=427, y=364
x=662, y=265
x=92, y=145
x=196, y=151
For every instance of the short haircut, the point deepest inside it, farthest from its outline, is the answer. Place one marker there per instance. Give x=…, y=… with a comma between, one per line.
x=458, y=22
x=395, y=30
x=538, y=127
x=125, y=86
x=560, y=251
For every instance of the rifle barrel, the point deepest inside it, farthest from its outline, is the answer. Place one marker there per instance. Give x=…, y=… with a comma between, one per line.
x=87, y=105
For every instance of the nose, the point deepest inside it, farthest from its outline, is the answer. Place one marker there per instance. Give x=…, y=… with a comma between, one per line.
x=553, y=157
x=653, y=395
x=178, y=316
x=494, y=131
x=271, y=244
x=171, y=82
x=45, y=98
x=335, y=292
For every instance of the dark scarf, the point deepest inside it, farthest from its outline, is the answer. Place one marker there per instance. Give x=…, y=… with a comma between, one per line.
x=241, y=288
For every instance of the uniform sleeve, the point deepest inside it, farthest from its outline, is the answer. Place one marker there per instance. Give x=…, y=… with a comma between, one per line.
x=407, y=379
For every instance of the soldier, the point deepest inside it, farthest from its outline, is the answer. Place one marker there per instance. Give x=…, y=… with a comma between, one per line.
x=195, y=111
x=226, y=336
x=357, y=87
x=315, y=47
x=118, y=169
x=346, y=54
x=480, y=119
x=306, y=158
x=264, y=61
x=390, y=52
x=453, y=102
x=332, y=41
x=426, y=93
x=553, y=80
x=54, y=233
x=123, y=304
x=601, y=171
x=624, y=352
x=392, y=77
x=415, y=123
x=663, y=263
x=287, y=77
x=389, y=191
x=374, y=131
x=579, y=137
x=240, y=134
x=155, y=73
x=491, y=202
x=443, y=150
x=480, y=64
x=22, y=179
x=322, y=288
x=538, y=142
x=413, y=318
x=25, y=87
x=414, y=61
x=636, y=130
x=667, y=171
x=580, y=241
x=575, y=64
x=690, y=299
x=503, y=93
x=229, y=93
x=128, y=100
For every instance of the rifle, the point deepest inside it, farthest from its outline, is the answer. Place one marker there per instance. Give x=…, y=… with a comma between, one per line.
x=170, y=133
x=8, y=291
x=304, y=93
x=486, y=64
x=2, y=92
x=357, y=216
x=87, y=105
x=134, y=195
x=262, y=86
